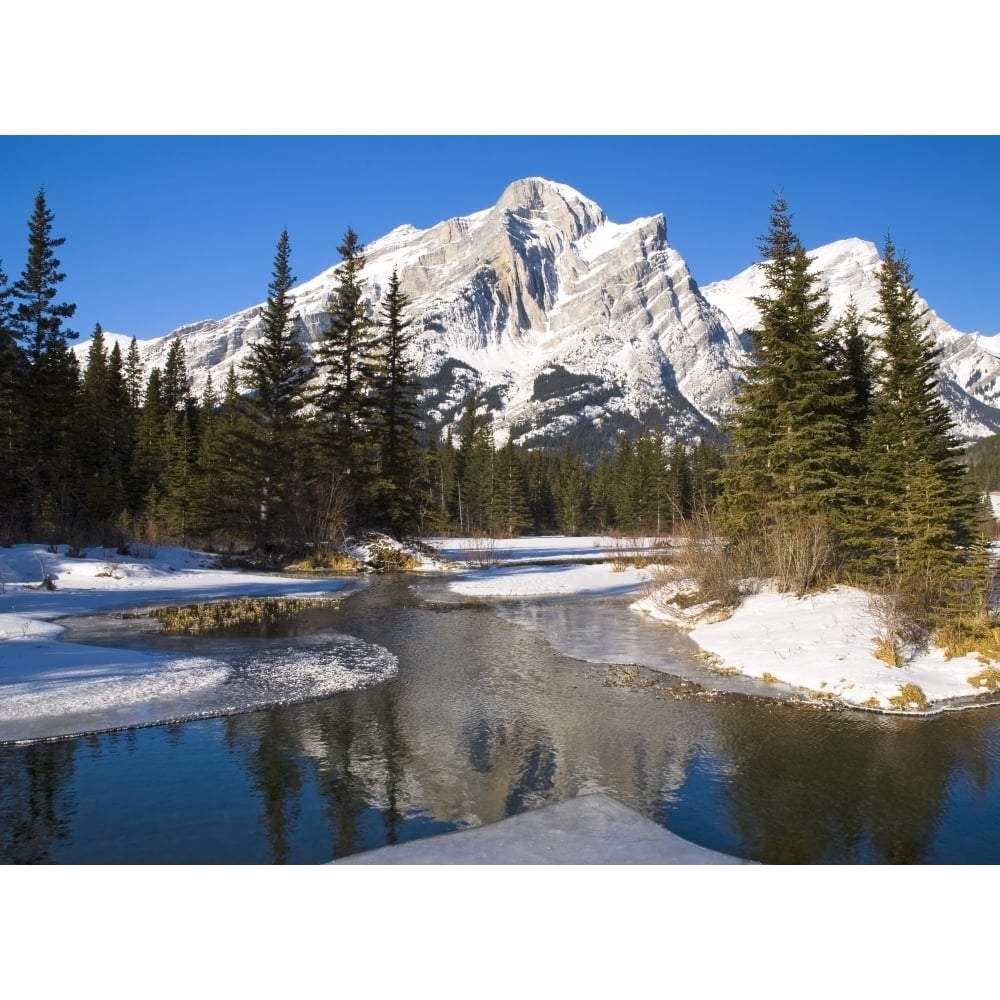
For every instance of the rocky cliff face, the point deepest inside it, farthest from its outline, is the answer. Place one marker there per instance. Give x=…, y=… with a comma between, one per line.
x=572, y=326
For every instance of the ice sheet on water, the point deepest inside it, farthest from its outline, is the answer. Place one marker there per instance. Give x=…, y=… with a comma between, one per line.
x=193, y=687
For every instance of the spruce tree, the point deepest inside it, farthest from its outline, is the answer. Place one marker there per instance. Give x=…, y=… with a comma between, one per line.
x=277, y=373
x=851, y=360
x=920, y=511
x=174, y=381
x=510, y=508
x=475, y=472
x=96, y=429
x=13, y=444
x=790, y=460
x=396, y=413
x=227, y=502
x=348, y=366
x=148, y=459
x=571, y=493
x=134, y=377
x=51, y=378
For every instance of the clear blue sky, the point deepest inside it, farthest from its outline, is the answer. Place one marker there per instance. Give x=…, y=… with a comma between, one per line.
x=165, y=231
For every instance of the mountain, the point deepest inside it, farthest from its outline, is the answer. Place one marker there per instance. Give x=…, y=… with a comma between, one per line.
x=969, y=367
x=573, y=327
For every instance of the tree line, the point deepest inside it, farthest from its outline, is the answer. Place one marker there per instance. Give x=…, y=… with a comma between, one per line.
x=296, y=450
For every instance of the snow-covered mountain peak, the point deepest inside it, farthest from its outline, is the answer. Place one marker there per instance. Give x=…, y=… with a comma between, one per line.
x=571, y=326
x=553, y=204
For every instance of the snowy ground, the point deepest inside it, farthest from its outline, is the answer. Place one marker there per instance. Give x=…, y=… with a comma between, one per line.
x=54, y=688
x=820, y=647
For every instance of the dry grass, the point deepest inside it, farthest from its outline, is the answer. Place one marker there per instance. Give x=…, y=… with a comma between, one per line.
x=888, y=650
x=768, y=678
x=910, y=696
x=197, y=619
x=329, y=562
x=988, y=679
x=981, y=637
x=388, y=557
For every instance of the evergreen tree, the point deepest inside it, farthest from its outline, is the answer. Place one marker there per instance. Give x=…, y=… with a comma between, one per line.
x=277, y=372
x=396, y=413
x=572, y=500
x=437, y=513
x=920, y=511
x=851, y=360
x=348, y=367
x=148, y=459
x=475, y=468
x=510, y=508
x=13, y=373
x=226, y=504
x=174, y=381
x=176, y=503
x=134, y=377
x=603, y=494
x=51, y=378
x=541, y=477
x=790, y=459
x=96, y=429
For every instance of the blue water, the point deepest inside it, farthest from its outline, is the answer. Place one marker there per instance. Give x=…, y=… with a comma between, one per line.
x=485, y=719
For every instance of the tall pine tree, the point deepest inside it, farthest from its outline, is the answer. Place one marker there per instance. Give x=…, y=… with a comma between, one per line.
x=790, y=459
x=14, y=493
x=919, y=512
x=348, y=367
x=396, y=414
x=52, y=378
x=277, y=372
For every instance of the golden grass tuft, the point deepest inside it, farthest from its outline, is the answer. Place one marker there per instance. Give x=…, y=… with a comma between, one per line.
x=988, y=678
x=768, y=678
x=332, y=562
x=888, y=650
x=910, y=696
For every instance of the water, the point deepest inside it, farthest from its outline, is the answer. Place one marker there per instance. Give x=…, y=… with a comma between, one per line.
x=493, y=711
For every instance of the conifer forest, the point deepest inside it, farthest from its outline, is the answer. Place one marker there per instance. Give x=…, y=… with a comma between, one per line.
x=839, y=462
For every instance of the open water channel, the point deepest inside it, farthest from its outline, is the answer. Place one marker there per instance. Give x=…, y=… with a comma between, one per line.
x=497, y=708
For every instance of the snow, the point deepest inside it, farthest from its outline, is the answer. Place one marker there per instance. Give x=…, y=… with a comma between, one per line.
x=590, y=829
x=50, y=688
x=818, y=648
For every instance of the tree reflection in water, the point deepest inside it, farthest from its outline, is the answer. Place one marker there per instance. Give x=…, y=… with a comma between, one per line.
x=483, y=720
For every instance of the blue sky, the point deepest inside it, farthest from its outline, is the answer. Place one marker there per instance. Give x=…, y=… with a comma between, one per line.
x=162, y=231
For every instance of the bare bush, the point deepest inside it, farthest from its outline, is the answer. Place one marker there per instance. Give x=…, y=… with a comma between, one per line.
x=714, y=569
x=321, y=511
x=481, y=550
x=801, y=553
x=896, y=608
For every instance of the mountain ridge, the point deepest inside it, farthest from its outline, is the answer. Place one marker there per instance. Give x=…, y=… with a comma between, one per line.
x=573, y=327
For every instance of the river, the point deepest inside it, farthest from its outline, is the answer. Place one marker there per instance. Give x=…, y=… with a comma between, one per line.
x=497, y=708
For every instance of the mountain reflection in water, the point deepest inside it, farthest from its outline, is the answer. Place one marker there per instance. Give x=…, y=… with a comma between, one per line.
x=485, y=719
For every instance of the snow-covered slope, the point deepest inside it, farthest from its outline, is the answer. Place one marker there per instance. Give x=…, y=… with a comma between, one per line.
x=572, y=326
x=970, y=364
